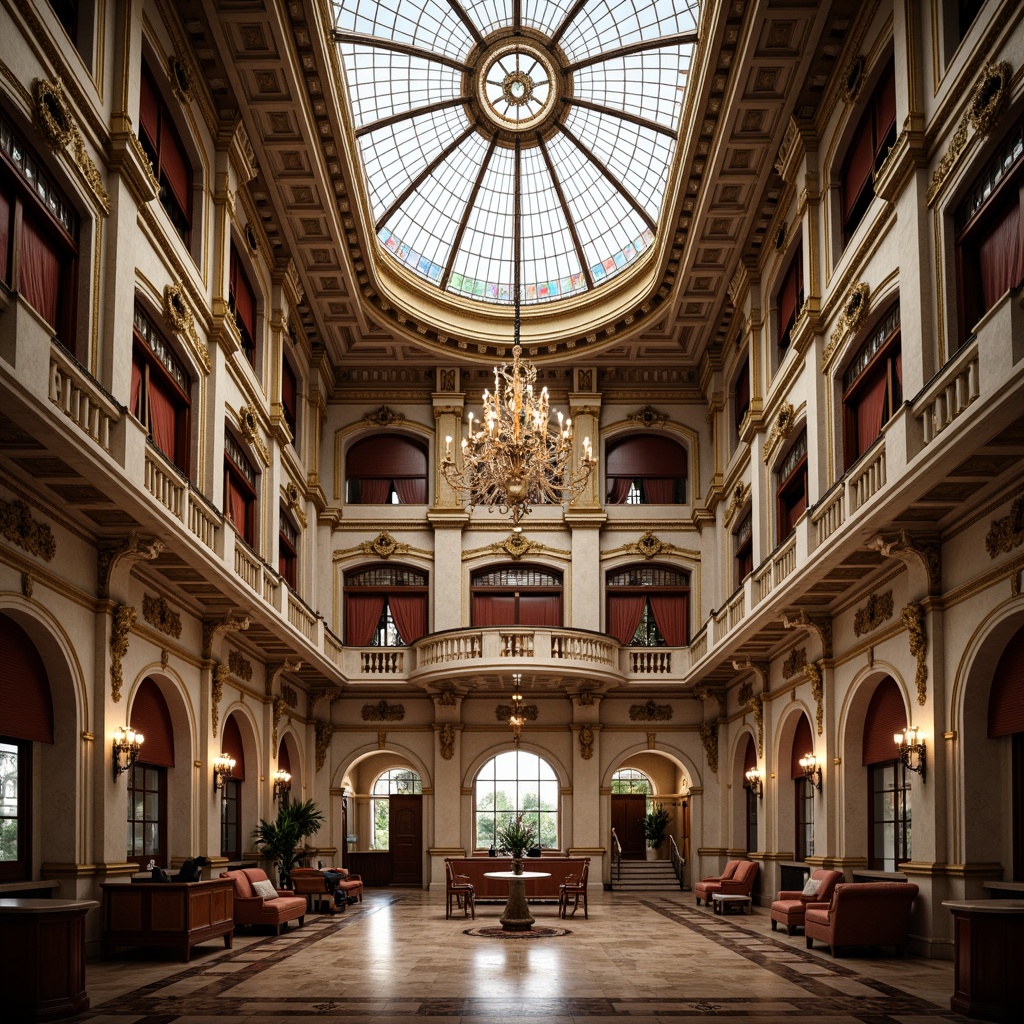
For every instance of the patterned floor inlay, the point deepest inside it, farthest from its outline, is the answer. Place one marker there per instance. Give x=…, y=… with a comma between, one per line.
x=528, y=933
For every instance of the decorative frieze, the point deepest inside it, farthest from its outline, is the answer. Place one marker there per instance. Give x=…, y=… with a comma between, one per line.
x=709, y=738
x=122, y=620
x=157, y=612
x=913, y=619
x=446, y=739
x=1007, y=533
x=324, y=731
x=383, y=712
x=383, y=546
x=650, y=712
x=782, y=427
x=877, y=610
x=586, y=742
x=18, y=526
x=240, y=666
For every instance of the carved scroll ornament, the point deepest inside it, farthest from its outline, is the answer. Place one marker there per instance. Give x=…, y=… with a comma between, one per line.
x=913, y=619
x=650, y=712
x=324, y=733
x=18, y=526
x=122, y=620
x=586, y=742
x=446, y=738
x=709, y=738
x=382, y=711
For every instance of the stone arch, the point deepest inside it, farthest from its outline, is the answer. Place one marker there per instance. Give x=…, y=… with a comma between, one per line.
x=254, y=790
x=290, y=739
x=736, y=788
x=346, y=437
x=782, y=746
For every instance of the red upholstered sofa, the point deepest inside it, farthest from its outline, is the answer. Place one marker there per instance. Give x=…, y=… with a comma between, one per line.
x=862, y=914
x=789, y=907
x=739, y=883
x=251, y=908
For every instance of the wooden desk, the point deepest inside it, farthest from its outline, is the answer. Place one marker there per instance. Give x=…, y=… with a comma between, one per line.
x=175, y=914
x=42, y=970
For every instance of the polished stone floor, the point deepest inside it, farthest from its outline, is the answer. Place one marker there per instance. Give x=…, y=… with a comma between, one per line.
x=640, y=958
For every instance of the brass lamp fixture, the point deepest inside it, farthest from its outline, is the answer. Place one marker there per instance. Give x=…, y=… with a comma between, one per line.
x=126, y=750
x=516, y=719
x=756, y=782
x=911, y=748
x=812, y=770
x=223, y=766
x=282, y=783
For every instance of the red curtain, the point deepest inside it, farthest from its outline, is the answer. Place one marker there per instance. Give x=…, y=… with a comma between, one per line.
x=870, y=406
x=149, y=108
x=494, y=610
x=39, y=283
x=540, y=610
x=26, y=707
x=885, y=110
x=151, y=717
x=670, y=616
x=5, y=234
x=289, y=388
x=618, y=489
x=374, y=492
x=236, y=505
x=410, y=614
x=245, y=298
x=391, y=455
x=232, y=746
x=646, y=455
x=283, y=760
x=742, y=392
x=1001, y=256
x=362, y=613
x=163, y=420
x=859, y=162
x=885, y=717
x=1006, y=699
x=787, y=296
x=749, y=756
x=803, y=743
x=174, y=164
x=133, y=405
x=658, y=490
x=624, y=611
x=411, y=490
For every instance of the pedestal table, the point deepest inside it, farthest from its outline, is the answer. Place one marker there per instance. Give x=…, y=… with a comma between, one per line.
x=517, y=917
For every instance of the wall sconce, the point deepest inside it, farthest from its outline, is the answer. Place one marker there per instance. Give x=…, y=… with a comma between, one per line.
x=756, y=782
x=282, y=783
x=222, y=769
x=126, y=749
x=911, y=746
x=812, y=770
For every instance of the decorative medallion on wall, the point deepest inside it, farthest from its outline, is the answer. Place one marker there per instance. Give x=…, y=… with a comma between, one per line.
x=240, y=666
x=383, y=417
x=157, y=612
x=782, y=427
x=855, y=311
x=913, y=619
x=739, y=498
x=745, y=692
x=122, y=620
x=248, y=427
x=503, y=712
x=179, y=318
x=446, y=699
x=293, y=498
x=217, y=681
x=709, y=738
x=383, y=546
x=877, y=610
x=853, y=79
x=795, y=661
x=291, y=697
x=446, y=737
x=649, y=546
x=515, y=545
x=324, y=732
x=586, y=742
x=648, y=417
x=18, y=526
x=181, y=79
x=383, y=712
x=813, y=672
x=650, y=712
x=1007, y=533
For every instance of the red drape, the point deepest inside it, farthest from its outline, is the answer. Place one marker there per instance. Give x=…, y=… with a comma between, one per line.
x=174, y=164
x=618, y=488
x=236, y=504
x=788, y=296
x=389, y=455
x=362, y=613
x=540, y=610
x=658, y=490
x=803, y=743
x=859, y=161
x=374, y=492
x=289, y=388
x=149, y=109
x=1006, y=698
x=26, y=706
x=162, y=418
x=136, y=387
x=1001, y=256
x=624, y=611
x=411, y=490
x=151, y=717
x=870, y=407
x=494, y=610
x=5, y=234
x=886, y=715
x=670, y=616
x=245, y=298
x=39, y=283
x=410, y=614
x=885, y=110
x=232, y=746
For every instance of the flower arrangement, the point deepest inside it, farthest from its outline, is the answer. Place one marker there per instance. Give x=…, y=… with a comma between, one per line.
x=515, y=837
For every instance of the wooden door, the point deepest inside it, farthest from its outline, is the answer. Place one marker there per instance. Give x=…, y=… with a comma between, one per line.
x=628, y=811
x=405, y=839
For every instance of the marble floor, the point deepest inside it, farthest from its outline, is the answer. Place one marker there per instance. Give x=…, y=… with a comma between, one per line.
x=640, y=958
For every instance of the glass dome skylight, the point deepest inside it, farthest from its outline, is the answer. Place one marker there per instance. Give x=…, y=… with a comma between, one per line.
x=537, y=129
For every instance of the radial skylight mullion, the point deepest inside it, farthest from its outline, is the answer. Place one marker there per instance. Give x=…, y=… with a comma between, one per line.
x=429, y=24
x=651, y=85
x=556, y=184
x=604, y=25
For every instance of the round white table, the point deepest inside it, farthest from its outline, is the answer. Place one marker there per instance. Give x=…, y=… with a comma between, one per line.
x=517, y=917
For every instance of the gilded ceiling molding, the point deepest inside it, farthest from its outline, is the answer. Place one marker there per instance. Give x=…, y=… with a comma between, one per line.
x=324, y=732
x=586, y=735
x=274, y=668
x=913, y=619
x=782, y=427
x=157, y=612
x=383, y=546
x=647, y=417
x=293, y=499
x=18, y=526
x=914, y=552
x=813, y=672
x=1007, y=533
x=53, y=119
x=129, y=549
x=383, y=712
x=122, y=619
x=650, y=712
x=211, y=627
x=503, y=712
x=821, y=626
x=987, y=102
x=217, y=681
x=709, y=738
x=855, y=311
x=178, y=316
x=383, y=417
x=241, y=666
x=740, y=496
x=279, y=706
x=248, y=427
x=446, y=738
x=794, y=662
x=876, y=610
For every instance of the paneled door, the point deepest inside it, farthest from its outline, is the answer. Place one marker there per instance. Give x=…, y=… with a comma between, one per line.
x=405, y=838
x=628, y=810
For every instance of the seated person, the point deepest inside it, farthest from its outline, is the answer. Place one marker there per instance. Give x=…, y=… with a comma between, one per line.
x=191, y=870
x=334, y=876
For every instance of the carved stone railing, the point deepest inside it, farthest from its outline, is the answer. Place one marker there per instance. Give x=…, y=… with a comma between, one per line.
x=446, y=648
x=517, y=643
x=830, y=514
x=334, y=650
x=583, y=647
x=248, y=568
x=868, y=478
x=382, y=661
x=165, y=483
x=301, y=618
x=954, y=389
x=203, y=522
x=649, y=661
x=81, y=398
x=779, y=566
x=698, y=646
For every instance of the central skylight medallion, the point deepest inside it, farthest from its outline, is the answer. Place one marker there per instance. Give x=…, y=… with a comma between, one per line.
x=517, y=90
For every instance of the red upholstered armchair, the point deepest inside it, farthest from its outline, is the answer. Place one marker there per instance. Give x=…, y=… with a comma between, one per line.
x=789, y=906
x=706, y=886
x=252, y=908
x=862, y=914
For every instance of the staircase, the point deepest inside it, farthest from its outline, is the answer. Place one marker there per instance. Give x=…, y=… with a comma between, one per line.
x=645, y=876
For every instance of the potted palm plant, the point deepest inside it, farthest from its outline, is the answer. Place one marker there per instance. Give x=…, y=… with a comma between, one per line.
x=280, y=839
x=655, y=823
x=515, y=837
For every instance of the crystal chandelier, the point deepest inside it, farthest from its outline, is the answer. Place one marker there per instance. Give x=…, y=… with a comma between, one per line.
x=517, y=719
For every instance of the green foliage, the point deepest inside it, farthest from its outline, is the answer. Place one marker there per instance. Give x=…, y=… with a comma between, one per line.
x=655, y=823
x=8, y=839
x=280, y=838
x=516, y=836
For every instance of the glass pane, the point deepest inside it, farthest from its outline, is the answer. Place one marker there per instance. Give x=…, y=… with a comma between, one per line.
x=549, y=795
x=152, y=837
x=152, y=805
x=152, y=778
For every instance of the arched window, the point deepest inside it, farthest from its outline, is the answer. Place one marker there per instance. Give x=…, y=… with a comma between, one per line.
x=1006, y=718
x=517, y=595
x=648, y=606
x=161, y=396
x=386, y=470
x=752, y=799
x=872, y=387
x=791, y=487
x=516, y=783
x=741, y=395
x=287, y=549
x=393, y=782
x=242, y=303
x=743, y=545
x=290, y=399
x=790, y=299
x=888, y=782
x=231, y=793
x=241, y=490
x=147, y=781
x=646, y=469
x=385, y=606
x=633, y=781
x=803, y=789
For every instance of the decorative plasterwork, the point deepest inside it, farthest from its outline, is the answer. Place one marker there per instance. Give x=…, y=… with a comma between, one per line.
x=795, y=661
x=130, y=549
x=211, y=627
x=503, y=712
x=157, y=612
x=248, y=427
x=781, y=165
x=217, y=681
x=515, y=546
x=703, y=692
x=652, y=740
x=650, y=546
x=382, y=741
x=650, y=712
x=290, y=695
x=876, y=611
x=1007, y=533
x=855, y=310
x=280, y=707
x=18, y=526
x=782, y=427
x=383, y=546
x=178, y=316
x=446, y=739
x=853, y=79
x=823, y=627
x=293, y=498
x=586, y=742
x=328, y=693
x=52, y=117
x=446, y=698
x=648, y=417
x=915, y=552
x=27, y=585
x=740, y=496
x=324, y=732
x=383, y=417
x=121, y=621
x=755, y=706
x=241, y=666
x=813, y=672
x=987, y=102
x=913, y=619
x=274, y=668
x=180, y=74
x=762, y=668
x=383, y=712
x=709, y=738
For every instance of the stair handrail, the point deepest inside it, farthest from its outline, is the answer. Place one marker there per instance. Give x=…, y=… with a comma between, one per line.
x=616, y=854
x=678, y=861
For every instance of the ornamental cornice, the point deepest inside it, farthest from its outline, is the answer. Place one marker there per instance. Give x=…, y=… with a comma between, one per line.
x=782, y=427
x=178, y=316
x=248, y=427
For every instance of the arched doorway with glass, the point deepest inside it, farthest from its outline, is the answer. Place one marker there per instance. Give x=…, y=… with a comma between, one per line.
x=396, y=814
x=516, y=783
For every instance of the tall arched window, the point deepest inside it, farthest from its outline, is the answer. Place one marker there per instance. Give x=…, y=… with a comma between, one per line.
x=1006, y=719
x=231, y=794
x=646, y=469
x=241, y=490
x=387, y=470
x=648, y=606
x=872, y=387
x=517, y=595
x=147, y=781
x=393, y=782
x=385, y=606
x=752, y=799
x=242, y=303
x=791, y=487
x=803, y=743
x=633, y=781
x=790, y=299
x=516, y=783
x=888, y=782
